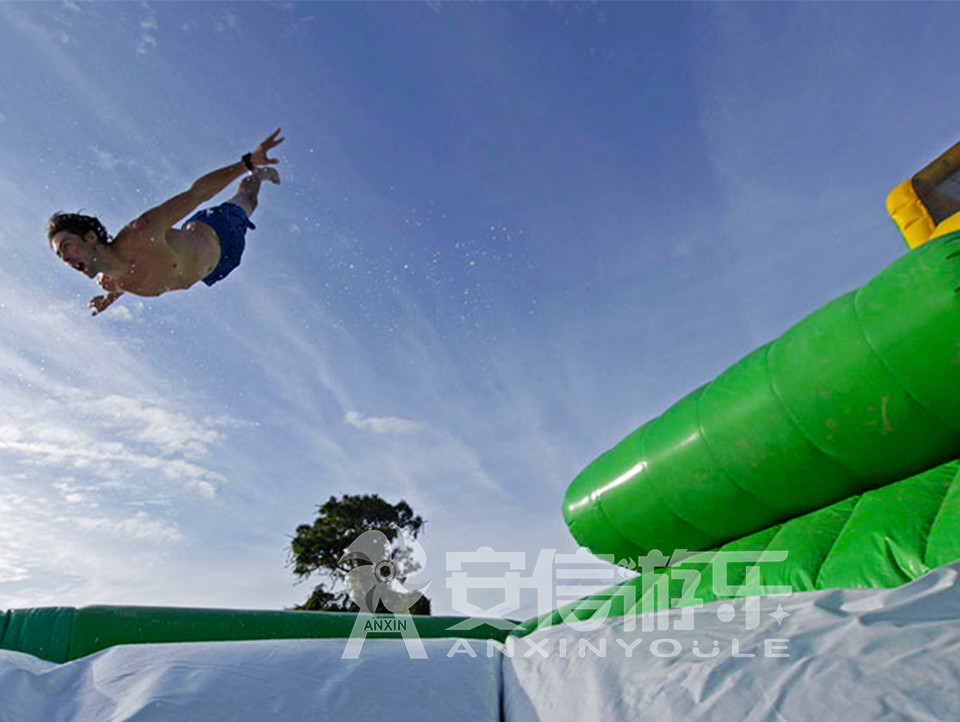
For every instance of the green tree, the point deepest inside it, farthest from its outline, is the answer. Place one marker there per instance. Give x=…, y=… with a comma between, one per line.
x=380, y=563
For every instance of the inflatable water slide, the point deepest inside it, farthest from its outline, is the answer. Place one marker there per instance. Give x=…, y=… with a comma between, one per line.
x=789, y=531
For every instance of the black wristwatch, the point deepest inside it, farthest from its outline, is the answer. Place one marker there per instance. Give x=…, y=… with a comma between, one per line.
x=247, y=162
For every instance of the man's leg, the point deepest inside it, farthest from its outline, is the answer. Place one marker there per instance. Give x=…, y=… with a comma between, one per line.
x=249, y=188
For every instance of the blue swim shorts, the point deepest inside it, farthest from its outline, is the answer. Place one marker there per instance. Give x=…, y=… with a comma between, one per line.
x=230, y=223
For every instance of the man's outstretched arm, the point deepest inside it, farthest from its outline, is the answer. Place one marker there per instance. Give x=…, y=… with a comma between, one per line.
x=209, y=185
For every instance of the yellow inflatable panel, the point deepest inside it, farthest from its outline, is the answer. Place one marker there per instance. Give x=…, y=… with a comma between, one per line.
x=910, y=215
x=927, y=205
x=948, y=226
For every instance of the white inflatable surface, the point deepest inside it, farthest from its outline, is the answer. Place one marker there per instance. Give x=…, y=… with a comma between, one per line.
x=285, y=680
x=852, y=655
x=837, y=655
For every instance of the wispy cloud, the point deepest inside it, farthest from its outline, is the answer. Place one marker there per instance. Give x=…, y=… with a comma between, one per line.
x=137, y=528
x=328, y=374
x=113, y=438
x=105, y=159
x=148, y=31
x=382, y=424
x=57, y=49
x=228, y=20
x=51, y=552
x=94, y=450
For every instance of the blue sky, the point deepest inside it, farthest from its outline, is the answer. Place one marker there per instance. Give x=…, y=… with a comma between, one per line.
x=507, y=235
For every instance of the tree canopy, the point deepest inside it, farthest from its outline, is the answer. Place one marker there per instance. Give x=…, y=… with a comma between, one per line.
x=337, y=546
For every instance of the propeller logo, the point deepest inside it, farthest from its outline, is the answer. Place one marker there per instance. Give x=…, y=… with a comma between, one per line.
x=380, y=572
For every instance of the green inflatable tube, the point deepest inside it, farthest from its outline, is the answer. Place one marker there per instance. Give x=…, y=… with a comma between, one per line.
x=60, y=634
x=862, y=393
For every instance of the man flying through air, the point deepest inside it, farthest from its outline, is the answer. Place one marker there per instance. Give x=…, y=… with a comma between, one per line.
x=149, y=256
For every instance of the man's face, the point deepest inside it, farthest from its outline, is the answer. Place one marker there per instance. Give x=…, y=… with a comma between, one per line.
x=79, y=252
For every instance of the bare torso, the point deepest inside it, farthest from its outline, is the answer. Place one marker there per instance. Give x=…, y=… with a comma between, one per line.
x=163, y=258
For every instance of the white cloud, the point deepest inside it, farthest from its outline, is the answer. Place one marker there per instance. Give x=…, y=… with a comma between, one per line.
x=124, y=313
x=113, y=439
x=137, y=528
x=229, y=20
x=382, y=424
x=146, y=43
x=148, y=28
x=98, y=457
x=73, y=493
x=151, y=422
x=98, y=96
x=105, y=159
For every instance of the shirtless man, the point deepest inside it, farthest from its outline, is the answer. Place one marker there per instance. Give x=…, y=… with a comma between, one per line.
x=149, y=256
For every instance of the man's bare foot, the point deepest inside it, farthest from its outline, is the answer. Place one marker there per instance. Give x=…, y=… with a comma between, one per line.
x=269, y=174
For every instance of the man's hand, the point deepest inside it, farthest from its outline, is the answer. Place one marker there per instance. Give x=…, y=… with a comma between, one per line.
x=259, y=156
x=100, y=303
x=106, y=282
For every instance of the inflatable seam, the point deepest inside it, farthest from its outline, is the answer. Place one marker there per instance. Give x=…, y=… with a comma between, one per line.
x=889, y=370
x=666, y=506
x=833, y=544
x=723, y=473
x=933, y=521
x=799, y=427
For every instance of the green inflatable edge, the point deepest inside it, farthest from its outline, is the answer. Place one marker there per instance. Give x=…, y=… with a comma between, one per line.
x=61, y=634
x=880, y=539
x=862, y=393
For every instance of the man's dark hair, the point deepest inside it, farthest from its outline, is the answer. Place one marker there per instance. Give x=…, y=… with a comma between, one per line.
x=76, y=223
